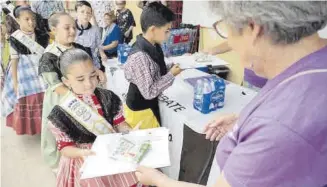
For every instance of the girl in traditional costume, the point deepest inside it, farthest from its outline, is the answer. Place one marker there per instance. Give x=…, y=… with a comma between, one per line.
x=64, y=29
x=84, y=112
x=22, y=95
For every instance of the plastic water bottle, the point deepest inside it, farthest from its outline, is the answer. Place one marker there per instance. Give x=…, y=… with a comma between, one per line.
x=182, y=49
x=221, y=87
x=198, y=95
x=171, y=37
x=218, y=95
x=175, y=50
x=188, y=47
x=123, y=51
x=207, y=92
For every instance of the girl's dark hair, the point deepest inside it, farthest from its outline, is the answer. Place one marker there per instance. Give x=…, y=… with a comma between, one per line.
x=72, y=56
x=82, y=3
x=11, y=24
x=54, y=18
x=19, y=9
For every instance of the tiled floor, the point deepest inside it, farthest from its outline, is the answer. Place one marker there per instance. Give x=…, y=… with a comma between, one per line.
x=21, y=161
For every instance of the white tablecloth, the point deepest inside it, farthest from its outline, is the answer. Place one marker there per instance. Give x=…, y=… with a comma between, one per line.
x=176, y=109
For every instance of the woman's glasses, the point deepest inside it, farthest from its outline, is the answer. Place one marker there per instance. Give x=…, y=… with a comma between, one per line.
x=221, y=29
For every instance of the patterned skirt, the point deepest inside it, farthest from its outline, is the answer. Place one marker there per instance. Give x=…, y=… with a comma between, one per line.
x=24, y=109
x=27, y=115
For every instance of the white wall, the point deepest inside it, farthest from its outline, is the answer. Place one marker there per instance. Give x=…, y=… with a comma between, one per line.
x=198, y=13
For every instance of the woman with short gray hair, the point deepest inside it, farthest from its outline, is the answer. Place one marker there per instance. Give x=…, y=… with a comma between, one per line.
x=280, y=138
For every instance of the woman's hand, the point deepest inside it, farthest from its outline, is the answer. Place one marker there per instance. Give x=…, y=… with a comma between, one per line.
x=216, y=129
x=149, y=176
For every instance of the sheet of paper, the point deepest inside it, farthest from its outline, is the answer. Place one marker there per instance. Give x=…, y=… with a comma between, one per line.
x=188, y=62
x=102, y=165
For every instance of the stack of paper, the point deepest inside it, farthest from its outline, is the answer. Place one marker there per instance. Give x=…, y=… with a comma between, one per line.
x=102, y=165
x=189, y=62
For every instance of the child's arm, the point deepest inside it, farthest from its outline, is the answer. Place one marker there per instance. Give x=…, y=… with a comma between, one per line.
x=14, y=56
x=65, y=145
x=94, y=21
x=74, y=152
x=138, y=72
x=14, y=63
x=103, y=55
x=128, y=32
x=131, y=22
x=98, y=41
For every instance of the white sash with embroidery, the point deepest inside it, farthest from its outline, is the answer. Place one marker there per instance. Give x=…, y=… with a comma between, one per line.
x=31, y=44
x=86, y=115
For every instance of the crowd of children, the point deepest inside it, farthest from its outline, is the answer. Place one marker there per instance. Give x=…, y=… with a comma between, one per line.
x=40, y=75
